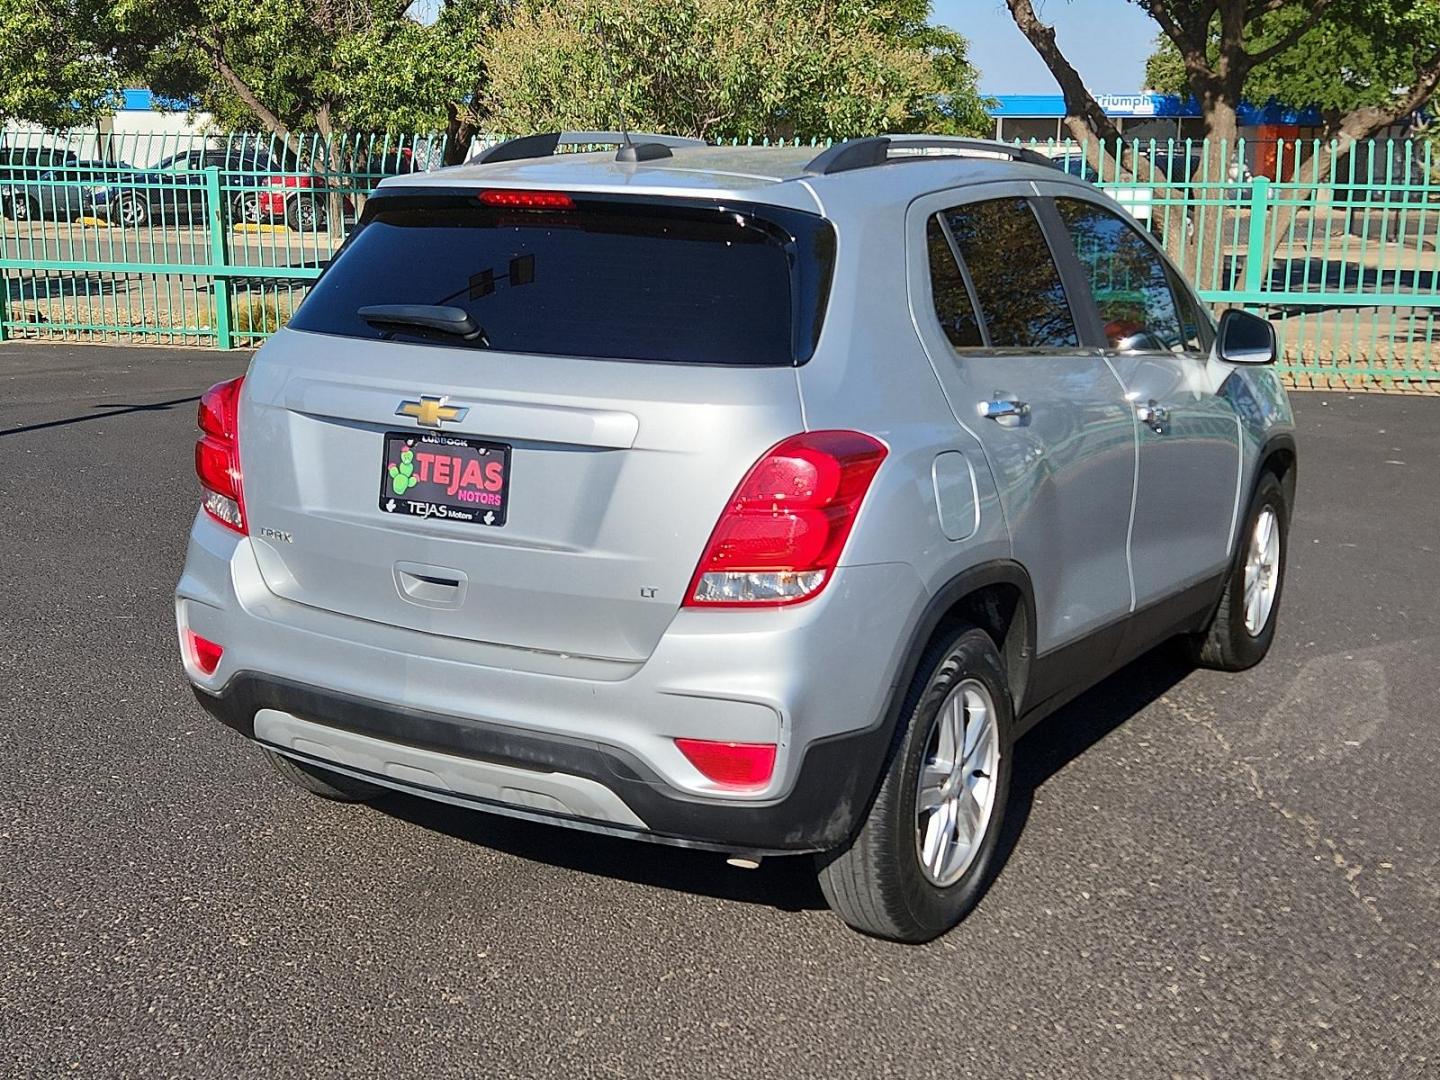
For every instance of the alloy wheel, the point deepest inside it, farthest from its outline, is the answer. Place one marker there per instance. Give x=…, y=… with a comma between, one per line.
x=1262, y=571
x=955, y=795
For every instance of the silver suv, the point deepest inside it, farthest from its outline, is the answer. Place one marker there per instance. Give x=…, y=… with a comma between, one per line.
x=731, y=498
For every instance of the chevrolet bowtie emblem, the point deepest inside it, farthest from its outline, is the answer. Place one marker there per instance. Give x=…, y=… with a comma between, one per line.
x=431, y=411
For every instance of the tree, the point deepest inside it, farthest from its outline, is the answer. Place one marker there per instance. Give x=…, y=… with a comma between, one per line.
x=54, y=71
x=723, y=69
x=327, y=65
x=1221, y=50
x=1338, y=66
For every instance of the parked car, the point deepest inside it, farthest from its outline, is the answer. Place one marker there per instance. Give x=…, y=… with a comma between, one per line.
x=299, y=198
x=59, y=193
x=173, y=190
x=18, y=163
x=731, y=499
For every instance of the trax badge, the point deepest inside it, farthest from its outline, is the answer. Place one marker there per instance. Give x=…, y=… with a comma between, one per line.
x=431, y=411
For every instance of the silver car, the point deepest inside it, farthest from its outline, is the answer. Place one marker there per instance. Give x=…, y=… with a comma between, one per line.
x=736, y=499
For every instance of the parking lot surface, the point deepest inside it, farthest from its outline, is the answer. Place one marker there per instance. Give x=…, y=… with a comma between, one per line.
x=1208, y=875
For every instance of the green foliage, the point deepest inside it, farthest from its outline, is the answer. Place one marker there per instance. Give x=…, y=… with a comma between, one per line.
x=54, y=69
x=1165, y=70
x=259, y=315
x=416, y=77
x=729, y=68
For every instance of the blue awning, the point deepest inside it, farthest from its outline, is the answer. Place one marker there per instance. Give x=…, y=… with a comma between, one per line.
x=1145, y=105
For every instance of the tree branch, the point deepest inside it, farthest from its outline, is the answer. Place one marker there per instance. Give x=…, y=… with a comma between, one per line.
x=1181, y=36
x=244, y=92
x=1367, y=120
x=1083, y=114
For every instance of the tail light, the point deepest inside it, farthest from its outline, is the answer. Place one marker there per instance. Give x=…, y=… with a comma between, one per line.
x=732, y=765
x=217, y=454
x=780, y=536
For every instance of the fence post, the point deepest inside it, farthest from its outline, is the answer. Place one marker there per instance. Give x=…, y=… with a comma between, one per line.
x=219, y=257
x=1257, y=257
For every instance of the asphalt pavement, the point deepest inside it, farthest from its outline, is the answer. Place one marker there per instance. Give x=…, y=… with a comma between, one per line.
x=1208, y=875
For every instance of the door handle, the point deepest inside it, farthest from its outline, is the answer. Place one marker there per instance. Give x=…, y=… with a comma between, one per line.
x=1008, y=412
x=1154, y=416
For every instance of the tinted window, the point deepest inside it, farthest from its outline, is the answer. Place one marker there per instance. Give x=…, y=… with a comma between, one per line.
x=947, y=287
x=1129, y=280
x=607, y=279
x=1015, y=277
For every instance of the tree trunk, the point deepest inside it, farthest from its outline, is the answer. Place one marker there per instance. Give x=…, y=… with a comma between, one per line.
x=460, y=132
x=1202, y=222
x=331, y=170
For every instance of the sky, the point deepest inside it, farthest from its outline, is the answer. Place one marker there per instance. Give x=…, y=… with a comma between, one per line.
x=1106, y=40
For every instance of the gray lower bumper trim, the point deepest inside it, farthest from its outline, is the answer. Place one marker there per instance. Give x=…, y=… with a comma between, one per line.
x=410, y=767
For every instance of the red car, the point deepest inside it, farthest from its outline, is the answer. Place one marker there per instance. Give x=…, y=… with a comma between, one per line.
x=300, y=200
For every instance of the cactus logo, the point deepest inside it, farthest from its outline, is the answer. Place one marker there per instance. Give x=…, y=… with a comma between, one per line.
x=402, y=473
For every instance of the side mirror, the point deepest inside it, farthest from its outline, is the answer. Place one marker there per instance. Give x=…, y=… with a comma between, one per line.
x=1245, y=339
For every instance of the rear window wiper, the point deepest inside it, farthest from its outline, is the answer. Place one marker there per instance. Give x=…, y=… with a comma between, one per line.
x=441, y=318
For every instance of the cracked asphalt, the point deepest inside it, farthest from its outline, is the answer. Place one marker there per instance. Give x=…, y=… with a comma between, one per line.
x=1208, y=875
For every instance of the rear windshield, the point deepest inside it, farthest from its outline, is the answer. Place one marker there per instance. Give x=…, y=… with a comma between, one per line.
x=610, y=279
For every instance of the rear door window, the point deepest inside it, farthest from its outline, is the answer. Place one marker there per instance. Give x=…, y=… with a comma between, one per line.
x=1022, y=301
x=610, y=279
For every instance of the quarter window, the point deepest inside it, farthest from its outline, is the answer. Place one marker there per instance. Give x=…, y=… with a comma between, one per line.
x=1129, y=280
x=1017, y=283
x=947, y=286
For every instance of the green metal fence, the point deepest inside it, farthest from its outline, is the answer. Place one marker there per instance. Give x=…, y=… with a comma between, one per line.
x=1336, y=245
x=198, y=239
x=188, y=239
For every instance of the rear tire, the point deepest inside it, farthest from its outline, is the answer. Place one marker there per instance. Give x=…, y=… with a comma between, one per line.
x=1243, y=627
x=305, y=214
x=910, y=874
x=20, y=208
x=328, y=785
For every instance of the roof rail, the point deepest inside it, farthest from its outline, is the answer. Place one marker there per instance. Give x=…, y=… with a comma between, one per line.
x=634, y=146
x=875, y=150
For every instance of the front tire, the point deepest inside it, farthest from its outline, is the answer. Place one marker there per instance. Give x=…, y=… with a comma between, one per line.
x=1243, y=627
x=923, y=857
x=322, y=782
x=245, y=209
x=131, y=211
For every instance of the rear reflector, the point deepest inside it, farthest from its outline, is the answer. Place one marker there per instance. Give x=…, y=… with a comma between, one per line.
x=780, y=536
x=527, y=200
x=217, y=454
x=204, y=654
x=733, y=765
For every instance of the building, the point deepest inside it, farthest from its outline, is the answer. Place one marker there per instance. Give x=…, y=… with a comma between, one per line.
x=1148, y=115
x=137, y=132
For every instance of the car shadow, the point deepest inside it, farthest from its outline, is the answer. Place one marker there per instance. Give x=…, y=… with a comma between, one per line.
x=112, y=409
x=789, y=883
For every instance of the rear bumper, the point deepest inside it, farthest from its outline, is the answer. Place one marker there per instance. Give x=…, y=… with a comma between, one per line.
x=818, y=813
x=529, y=734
